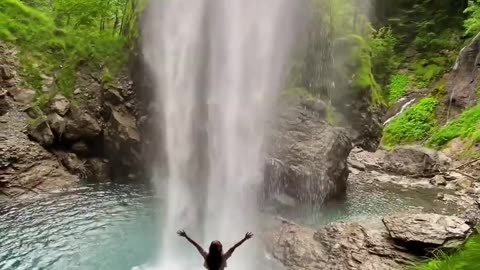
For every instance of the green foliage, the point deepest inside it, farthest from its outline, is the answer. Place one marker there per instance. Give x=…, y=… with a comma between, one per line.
x=413, y=125
x=78, y=35
x=398, y=87
x=466, y=126
x=466, y=259
x=472, y=23
x=384, y=61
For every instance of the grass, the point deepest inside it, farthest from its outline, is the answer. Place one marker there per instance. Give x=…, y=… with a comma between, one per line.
x=466, y=126
x=398, y=87
x=466, y=259
x=47, y=50
x=414, y=125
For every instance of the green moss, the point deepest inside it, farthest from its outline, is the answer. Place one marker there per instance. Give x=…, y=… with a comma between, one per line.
x=397, y=87
x=468, y=258
x=466, y=126
x=413, y=125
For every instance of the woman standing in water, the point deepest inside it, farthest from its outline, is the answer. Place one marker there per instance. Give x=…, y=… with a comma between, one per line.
x=215, y=259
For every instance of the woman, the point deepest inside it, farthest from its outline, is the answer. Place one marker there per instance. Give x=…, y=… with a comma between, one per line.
x=215, y=259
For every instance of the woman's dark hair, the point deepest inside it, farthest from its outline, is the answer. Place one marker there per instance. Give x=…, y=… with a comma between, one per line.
x=215, y=256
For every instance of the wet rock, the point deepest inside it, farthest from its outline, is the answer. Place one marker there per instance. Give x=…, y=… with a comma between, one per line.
x=308, y=157
x=40, y=131
x=462, y=82
x=81, y=125
x=438, y=180
x=99, y=169
x=414, y=160
x=336, y=247
x=71, y=162
x=81, y=148
x=57, y=124
x=422, y=233
x=60, y=105
x=316, y=105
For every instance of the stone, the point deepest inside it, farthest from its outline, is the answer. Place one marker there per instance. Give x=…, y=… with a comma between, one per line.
x=307, y=157
x=357, y=165
x=57, y=124
x=6, y=73
x=438, y=180
x=60, y=105
x=77, y=91
x=40, y=131
x=72, y=163
x=421, y=233
x=316, y=105
x=338, y=246
x=10, y=83
x=33, y=111
x=99, y=170
x=81, y=148
x=414, y=160
x=81, y=125
x=113, y=97
x=23, y=96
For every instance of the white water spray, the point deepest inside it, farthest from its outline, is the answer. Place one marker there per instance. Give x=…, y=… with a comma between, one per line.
x=217, y=66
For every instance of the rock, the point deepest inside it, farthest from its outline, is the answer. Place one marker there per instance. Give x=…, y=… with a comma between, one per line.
x=472, y=215
x=422, y=233
x=462, y=82
x=33, y=111
x=99, y=170
x=463, y=183
x=60, y=105
x=336, y=247
x=77, y=91
x=32, y=169
x=23, y=96
x=72, y=162
x=57, y=124
x=4, y=105
x=357, y=165
x=113, y=97
x=308, y=156
x=40, y=131
x=414, y=160
x=6, y=73
x=316, y=105
x=438, y=180
x=284, y=200
x=81, y=148
x=81, y=125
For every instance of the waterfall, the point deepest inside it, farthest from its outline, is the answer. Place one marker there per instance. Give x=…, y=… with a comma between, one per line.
x=217, y=67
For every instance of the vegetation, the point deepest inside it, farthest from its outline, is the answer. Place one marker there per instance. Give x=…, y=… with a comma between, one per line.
x=56, y=37
x=466, y=259
x=398, y=87
x=466, y=126
x=414, y=125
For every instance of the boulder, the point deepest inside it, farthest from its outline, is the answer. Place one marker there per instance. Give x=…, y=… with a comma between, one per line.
x=57, y=124
x=423, y=233
x=308, y=157
x=336, y=247
x=414, y=160
x=40, y=131
x=60, y=105
x=23, y=96
x=81, y=125
x=98, y=169
x=71, y=162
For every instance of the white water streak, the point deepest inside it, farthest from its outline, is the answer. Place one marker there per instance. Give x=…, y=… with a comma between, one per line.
x=239, y=49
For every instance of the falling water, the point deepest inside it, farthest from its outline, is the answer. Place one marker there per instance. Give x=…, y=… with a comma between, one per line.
x=217, y=67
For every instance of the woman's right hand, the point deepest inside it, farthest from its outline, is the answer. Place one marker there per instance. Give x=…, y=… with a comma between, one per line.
x=182, y=233
x=248, y=235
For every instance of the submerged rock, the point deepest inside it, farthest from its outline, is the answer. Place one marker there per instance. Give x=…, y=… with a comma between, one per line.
x=414, y=160
x=422, y=233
